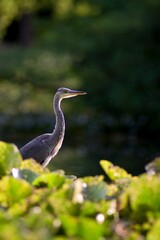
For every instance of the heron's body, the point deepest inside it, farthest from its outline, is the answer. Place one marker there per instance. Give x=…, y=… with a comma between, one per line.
x=44, y=147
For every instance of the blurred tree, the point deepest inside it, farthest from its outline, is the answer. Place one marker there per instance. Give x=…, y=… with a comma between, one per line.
x=109, y=48
x=11, y=10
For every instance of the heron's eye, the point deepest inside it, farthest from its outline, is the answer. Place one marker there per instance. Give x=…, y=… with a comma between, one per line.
x=63, y=90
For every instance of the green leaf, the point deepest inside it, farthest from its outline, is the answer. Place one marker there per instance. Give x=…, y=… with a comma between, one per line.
x=12, y=190
x=83, y=227
x=91, y=209
x=49, y=180
x=10, y=230
x=95, y=191
x=31, y=164
x=28, y=175
x=141, y=197
x=147, y=193
x=19, y=208
x=91, y=188
x=9, y=158
x=154, y=233
x=114, y=172
x=69, y=224
x=90, y=229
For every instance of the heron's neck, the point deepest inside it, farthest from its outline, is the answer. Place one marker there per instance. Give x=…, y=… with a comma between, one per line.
x=58, y=133
x=60, y=121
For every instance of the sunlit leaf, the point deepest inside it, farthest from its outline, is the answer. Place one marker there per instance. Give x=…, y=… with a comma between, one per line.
x=31, y=164
x=70, y=225
x=114, y=172
x=9, y=158
x=19, y=208
x=50, y=205
x=93, y=179
x=90, y=208
x=12, y=190
x=142, y=196
x=10, y=230
x=49, y=180
x=154, y=233
x=85, y=228
x=90, y=229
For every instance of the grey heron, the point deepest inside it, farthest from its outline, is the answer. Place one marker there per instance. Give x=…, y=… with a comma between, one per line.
x=44, y=147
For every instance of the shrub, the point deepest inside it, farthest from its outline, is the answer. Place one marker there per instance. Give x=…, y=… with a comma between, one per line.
x=38, y=204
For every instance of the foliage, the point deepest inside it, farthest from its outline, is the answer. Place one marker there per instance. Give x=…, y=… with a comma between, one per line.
x=38, y=204
x=10, y=9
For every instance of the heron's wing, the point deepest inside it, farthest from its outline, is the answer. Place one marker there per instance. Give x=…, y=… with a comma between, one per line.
x=36, y=148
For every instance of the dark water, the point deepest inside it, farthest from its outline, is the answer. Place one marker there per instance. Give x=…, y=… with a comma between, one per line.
x=82, y=149
x=83, y=159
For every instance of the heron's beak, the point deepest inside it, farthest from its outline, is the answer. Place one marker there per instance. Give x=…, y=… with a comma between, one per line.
x=76, y=93
x=72, y=93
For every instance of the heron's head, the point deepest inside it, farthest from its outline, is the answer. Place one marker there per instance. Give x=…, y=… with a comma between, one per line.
x=68, y=93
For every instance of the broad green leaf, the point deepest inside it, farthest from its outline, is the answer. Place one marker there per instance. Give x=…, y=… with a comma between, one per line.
x=31, y=226
x=19, y=208
x=90, y=229
x=10, y=230
x=12, y=190
x=114, y=172
x=69, y=225
x=142, y=196
x=40, y=223
x=9, y=158
x=91, y=188
x=95, y=191
x=145, y=190
x=49, y=180
x=28, y=175
x=93, y=179
x=85, y=228
x=154, y=233
x=91, y=209
x=32, y=165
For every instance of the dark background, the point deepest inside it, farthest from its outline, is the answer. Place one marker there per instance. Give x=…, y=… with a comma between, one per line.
x=111, y=49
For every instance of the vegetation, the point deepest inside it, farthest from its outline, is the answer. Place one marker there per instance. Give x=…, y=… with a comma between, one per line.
x=38, y=204
x=111, y=50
